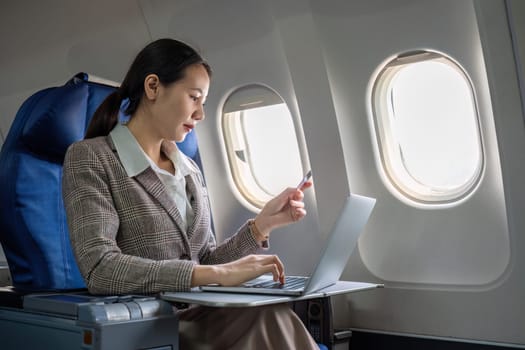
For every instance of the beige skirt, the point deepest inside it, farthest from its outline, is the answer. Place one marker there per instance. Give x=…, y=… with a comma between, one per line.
x=263, y=327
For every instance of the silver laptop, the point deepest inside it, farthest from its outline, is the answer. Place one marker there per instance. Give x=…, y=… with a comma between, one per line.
x=339, y=246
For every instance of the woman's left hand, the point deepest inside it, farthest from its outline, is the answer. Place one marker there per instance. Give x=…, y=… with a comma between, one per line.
x=282, y=210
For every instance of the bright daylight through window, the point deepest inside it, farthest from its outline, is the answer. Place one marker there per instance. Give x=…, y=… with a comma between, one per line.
x=427, y=128
x=261, y=144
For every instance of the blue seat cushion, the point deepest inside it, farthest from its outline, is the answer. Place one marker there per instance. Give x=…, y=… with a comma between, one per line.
x=34, y=231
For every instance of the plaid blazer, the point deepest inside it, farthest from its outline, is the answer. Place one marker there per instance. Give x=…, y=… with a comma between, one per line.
x=126, y=232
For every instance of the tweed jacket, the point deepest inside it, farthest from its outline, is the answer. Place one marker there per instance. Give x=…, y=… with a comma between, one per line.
x=127, y=233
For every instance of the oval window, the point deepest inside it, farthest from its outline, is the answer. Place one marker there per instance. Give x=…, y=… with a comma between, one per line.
x=261, y=143
x=427, y=127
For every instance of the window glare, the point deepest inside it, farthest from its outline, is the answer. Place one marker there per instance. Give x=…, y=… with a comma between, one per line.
x=273, y=147
x=429, y=131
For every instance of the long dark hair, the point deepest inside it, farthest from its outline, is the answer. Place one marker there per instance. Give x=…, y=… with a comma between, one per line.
x=167, y=58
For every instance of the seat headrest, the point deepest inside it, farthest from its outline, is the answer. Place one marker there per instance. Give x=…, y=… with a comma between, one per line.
x=54, y=124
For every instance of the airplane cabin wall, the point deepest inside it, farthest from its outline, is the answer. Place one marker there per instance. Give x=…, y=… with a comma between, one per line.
x=458, y=295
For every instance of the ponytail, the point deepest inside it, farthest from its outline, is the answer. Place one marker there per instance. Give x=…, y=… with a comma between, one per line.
x=167, y=58
x=105, y=117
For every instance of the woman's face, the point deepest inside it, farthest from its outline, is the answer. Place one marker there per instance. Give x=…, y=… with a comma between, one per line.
x=180, y=106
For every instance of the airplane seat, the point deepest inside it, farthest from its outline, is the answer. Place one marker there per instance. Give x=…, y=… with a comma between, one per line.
x=34, y=232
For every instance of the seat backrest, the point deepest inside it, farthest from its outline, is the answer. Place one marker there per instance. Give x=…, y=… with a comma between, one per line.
x=34, y=233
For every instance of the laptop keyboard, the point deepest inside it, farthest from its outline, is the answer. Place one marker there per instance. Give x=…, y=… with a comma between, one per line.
x=290, y=282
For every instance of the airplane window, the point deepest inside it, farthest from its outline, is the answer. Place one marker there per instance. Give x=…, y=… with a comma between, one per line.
x=261, y=143
x=427, y=128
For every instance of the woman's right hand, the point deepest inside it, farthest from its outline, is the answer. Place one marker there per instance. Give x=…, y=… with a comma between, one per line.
x=239, y=271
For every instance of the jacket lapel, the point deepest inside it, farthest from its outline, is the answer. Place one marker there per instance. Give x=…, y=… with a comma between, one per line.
x=198, y=199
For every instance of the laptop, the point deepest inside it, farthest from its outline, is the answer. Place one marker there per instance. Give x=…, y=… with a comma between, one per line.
x=339, y=246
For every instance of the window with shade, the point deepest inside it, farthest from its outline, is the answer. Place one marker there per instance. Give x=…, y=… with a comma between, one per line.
x=427, y=128
x=261, y=144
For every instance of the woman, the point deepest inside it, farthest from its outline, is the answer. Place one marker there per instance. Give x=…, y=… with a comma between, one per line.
x=138, y=212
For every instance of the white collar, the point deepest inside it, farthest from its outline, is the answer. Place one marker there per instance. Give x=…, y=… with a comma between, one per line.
x=134, y=159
